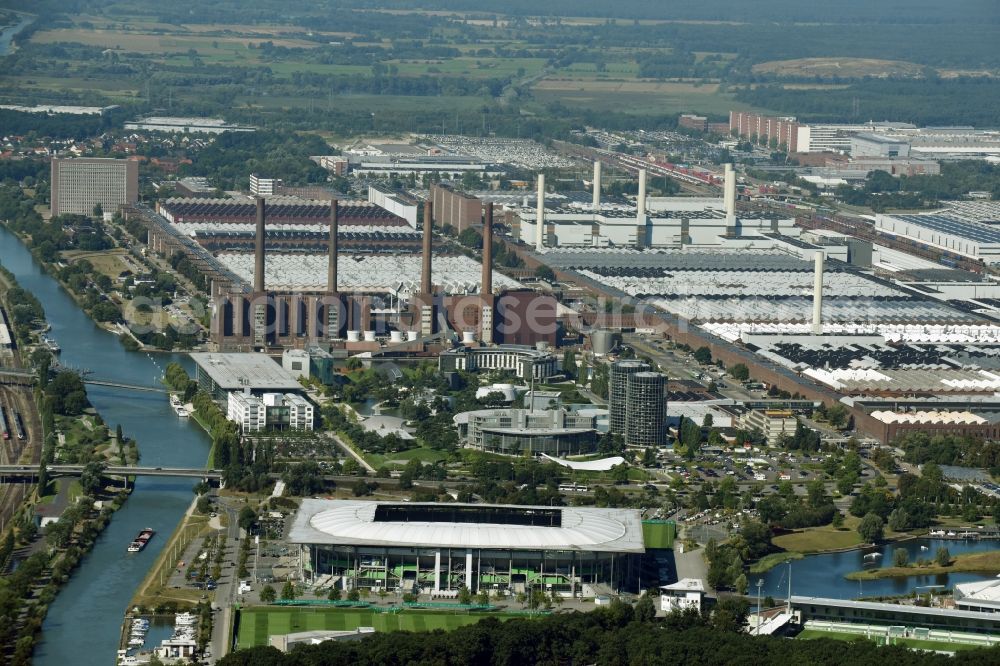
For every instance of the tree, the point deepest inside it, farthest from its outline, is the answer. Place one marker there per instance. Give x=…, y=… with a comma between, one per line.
x=334, y=594
x=545, y=273
x=464, y=595
x=267, y=594
x=645, y=609
x=483, y=597
x=354, y=594
x=91, y=478
x=837, y=415
x=742, y=583
x=247, y=517
x=288, y=591
x=942, y=557
x=740, y=372
x=703, y=355
x=708, y=420
x=900, y=557
x=899, y=520
x=871, y=528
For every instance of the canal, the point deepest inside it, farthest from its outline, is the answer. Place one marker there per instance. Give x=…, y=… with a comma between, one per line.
x=83, y=623
x=823, y=575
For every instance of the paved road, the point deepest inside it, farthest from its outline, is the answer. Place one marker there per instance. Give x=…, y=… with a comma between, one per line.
x=225, y=593
x=691, y=564
x=351, y=452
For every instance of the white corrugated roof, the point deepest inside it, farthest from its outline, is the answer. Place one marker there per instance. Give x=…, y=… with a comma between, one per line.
x=352, y=522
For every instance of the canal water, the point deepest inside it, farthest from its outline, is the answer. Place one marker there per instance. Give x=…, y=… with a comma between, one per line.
x=83, y=623
x=823, y=575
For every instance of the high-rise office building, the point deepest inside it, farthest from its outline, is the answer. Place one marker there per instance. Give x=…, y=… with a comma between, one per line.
x=645, y=409
x=617, y=392
x=79, y=184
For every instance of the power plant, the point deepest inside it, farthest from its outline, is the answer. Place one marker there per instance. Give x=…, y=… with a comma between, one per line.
x=379, y=300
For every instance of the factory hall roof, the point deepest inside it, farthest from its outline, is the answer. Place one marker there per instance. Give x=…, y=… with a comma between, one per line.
x=953, y=226
x=235, y=372
x=429, y=525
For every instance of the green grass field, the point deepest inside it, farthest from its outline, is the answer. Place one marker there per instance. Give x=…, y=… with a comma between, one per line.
x=256, y=624
x=658, y=533
x=914, y=643
x=818, y=539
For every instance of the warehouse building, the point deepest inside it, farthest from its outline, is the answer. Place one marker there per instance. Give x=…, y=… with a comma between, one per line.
x=436, y=549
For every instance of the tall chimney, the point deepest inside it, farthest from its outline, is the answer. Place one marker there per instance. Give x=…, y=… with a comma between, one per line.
x=730, y=200
x=425, y=272
x=258, y=267
x=597, y=184
x=640, y=200
x=540, y=213
x=817, y=327
x=488, y=250
x=331, y=269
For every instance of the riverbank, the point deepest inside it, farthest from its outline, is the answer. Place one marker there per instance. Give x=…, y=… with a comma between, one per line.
x=95, y=293
x=153, y=594
x=988, y=563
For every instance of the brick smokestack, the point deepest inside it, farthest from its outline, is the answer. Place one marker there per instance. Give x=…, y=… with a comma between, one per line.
x=488, y=250
x=425, y=272
x=331, y=270
x=258, y=268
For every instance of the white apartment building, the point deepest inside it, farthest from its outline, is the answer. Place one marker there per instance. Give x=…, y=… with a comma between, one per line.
x=270, y=411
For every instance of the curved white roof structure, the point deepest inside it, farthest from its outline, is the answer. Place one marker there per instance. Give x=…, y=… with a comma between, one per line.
x=602, y=465
x=352, y=522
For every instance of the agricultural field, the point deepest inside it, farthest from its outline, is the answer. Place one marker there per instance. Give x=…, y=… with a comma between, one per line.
x=639, y=96
x=256, y=624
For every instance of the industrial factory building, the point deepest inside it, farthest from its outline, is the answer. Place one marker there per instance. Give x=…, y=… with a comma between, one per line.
x=518, y=432
x=672, y=223
x=436, y=549
x=296, y=290
x=977, y=240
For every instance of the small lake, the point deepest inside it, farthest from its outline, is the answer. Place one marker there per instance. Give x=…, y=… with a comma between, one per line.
x=823, y=575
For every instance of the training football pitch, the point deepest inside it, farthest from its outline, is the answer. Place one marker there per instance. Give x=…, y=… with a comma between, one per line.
x=256, y=624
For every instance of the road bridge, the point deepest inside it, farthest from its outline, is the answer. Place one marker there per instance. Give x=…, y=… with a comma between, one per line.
x=121, y=385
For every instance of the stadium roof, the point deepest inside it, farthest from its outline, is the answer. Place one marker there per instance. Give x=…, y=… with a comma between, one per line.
x=429, y=525
x=235, y=372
